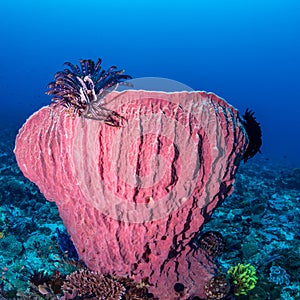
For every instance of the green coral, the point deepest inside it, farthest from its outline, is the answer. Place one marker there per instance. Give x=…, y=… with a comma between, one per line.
x=243, y=278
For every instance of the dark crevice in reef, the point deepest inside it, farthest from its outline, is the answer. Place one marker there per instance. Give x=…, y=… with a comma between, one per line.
x=174, y=176
x=138, y=165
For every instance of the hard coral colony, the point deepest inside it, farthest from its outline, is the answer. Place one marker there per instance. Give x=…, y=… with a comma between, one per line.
x=243, y=278
x=102, y=177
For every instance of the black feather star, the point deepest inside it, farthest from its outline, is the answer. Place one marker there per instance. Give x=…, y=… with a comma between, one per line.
x=254, y=133
x=81, y=89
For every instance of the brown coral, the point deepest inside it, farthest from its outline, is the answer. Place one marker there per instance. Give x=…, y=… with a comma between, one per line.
x=217, y=288
x=135, y=290
x=92, y=285
x=212, y=242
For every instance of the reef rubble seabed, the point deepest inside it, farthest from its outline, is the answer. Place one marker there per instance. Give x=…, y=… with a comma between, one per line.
x=259, y=222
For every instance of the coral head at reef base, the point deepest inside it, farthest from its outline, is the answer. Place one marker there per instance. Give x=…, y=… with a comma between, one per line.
x=133, y=197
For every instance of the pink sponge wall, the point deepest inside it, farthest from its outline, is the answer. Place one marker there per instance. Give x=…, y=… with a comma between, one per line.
x=133, y=197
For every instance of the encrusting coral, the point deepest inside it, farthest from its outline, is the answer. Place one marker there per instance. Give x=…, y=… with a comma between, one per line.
x=217, y=288
x=279, y=276
x=243, y=278
x=212, y=242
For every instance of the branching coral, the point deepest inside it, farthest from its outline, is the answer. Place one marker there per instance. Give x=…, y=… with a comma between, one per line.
x=89, y=284
x=243, y=278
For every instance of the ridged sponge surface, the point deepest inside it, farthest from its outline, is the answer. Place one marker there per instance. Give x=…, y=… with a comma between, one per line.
x=132, y=197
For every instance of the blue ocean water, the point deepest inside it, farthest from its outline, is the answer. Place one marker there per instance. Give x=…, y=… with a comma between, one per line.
x=247, y=52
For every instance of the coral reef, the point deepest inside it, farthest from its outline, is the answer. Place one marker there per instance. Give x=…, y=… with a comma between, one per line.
x=66, y=246
x=259, y=223
x=44, y=285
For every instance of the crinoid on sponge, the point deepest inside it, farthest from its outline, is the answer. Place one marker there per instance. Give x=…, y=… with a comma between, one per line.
x=243, y=278
x=254, y=133
x=81, y=89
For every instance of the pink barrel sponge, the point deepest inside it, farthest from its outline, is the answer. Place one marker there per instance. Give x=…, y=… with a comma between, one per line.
x=133, y=196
